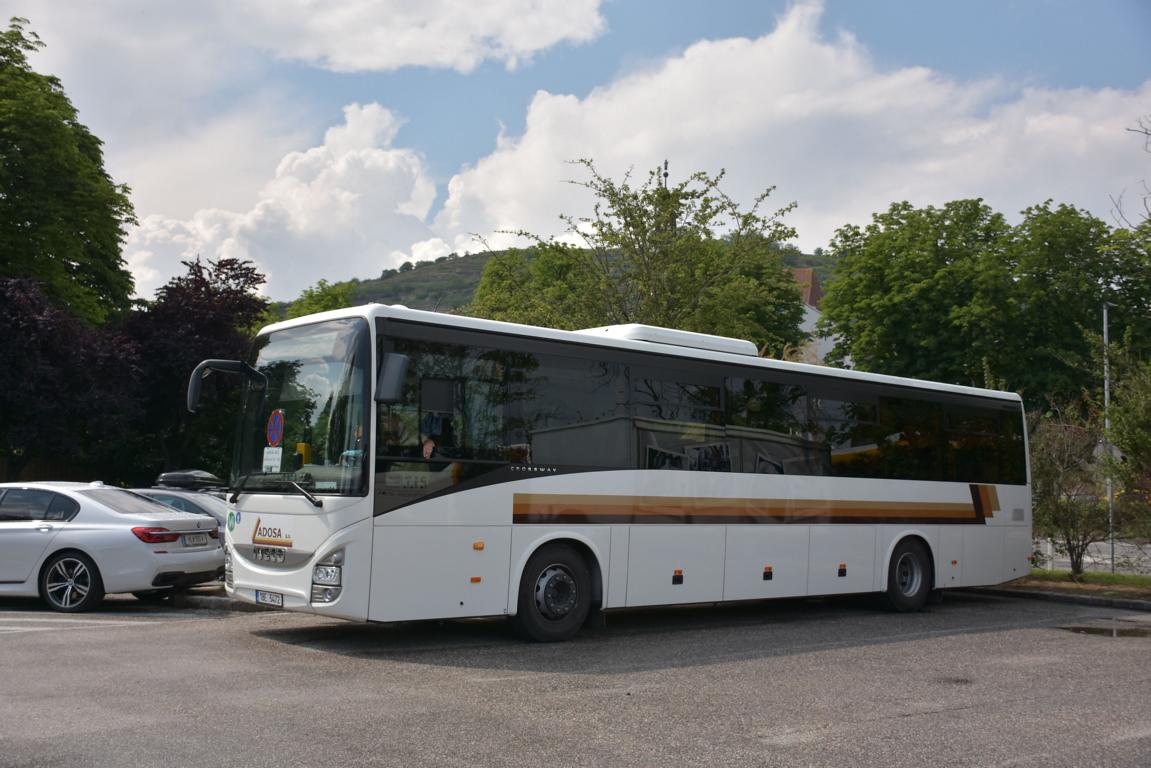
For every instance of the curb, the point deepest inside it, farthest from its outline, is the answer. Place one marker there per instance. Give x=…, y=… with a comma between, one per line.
x=221, y=602
x=1125, y=603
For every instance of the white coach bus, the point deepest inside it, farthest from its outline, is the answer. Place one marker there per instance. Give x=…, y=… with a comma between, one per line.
x=395, y=465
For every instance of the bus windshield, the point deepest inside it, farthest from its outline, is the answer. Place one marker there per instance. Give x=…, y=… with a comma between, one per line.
x=308, y=424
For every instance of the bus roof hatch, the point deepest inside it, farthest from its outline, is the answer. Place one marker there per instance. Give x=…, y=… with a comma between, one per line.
x=670, y=336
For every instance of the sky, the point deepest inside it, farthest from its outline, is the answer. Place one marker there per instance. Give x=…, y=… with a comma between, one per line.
x=335, y=140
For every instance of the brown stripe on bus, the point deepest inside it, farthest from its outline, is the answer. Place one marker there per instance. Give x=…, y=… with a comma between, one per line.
x=570, y=508
x=986, y=500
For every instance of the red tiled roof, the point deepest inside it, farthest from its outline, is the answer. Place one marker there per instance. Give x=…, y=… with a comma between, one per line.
x=812, y=293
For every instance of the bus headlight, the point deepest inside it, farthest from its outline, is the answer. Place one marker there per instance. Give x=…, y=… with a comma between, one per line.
x=327, y=575
x=324, y=594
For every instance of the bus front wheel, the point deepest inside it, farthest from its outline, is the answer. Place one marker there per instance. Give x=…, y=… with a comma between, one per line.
x=555, y=594
x=909, y=576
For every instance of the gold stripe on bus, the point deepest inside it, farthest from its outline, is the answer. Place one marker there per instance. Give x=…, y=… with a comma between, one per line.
x=990, y=500
x=542, y=505
x=260, y=540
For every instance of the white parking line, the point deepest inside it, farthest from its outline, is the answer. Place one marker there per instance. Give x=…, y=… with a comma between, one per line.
x=65, y=620
x=13, y=624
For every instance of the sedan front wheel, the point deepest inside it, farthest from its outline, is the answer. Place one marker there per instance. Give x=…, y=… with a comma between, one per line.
x=70, y=582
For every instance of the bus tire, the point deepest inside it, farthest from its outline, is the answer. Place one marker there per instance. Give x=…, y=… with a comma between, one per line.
x=909, y=577
x=554, y=595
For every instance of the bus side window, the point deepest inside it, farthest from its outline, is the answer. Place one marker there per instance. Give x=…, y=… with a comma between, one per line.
x=572, y=411
x=678, y=420
x=397, y=430
x=766, y=424
x=438, y=413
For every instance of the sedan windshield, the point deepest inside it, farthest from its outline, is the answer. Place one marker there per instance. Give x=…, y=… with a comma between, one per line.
x=308, y=423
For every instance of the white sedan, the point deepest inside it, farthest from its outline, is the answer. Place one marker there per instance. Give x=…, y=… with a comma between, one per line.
x=72, y=543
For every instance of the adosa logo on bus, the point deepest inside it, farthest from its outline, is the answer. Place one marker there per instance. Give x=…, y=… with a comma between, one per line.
x=269, y=536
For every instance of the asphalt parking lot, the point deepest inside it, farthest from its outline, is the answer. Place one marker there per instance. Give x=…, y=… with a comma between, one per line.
x=977, y=681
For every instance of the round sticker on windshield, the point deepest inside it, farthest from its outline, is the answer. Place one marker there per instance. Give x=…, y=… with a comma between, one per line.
x=275, y=431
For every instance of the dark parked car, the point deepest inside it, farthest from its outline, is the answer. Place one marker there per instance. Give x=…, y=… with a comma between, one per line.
x=197, y=502
x=192, y=480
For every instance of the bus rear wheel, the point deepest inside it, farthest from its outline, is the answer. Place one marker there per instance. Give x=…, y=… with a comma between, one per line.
x=554, y=595
x=909, y=577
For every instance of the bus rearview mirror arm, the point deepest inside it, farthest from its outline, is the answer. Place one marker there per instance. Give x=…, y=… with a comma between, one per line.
x=259, y=380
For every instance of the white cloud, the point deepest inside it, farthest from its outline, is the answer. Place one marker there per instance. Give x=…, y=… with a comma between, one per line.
x=187, y=118
x=430, y=250
x=223, y=161
x=818, y=119
x=373, y=35
x=185, y=95
x=813, y=115
x=336, y=211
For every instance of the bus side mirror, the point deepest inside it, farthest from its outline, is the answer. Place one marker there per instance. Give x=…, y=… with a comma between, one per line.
x=393, y=372
x=194, y=382
x=259, y=380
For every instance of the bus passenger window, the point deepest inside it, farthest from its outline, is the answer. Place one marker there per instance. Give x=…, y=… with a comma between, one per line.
x=766, y=424
x=437, y=413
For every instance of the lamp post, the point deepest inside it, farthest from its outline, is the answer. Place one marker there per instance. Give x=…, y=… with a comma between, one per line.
x=1107, y=432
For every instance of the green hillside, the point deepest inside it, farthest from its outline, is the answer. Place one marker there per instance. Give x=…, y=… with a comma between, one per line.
x=449, y=282
x=444, y=284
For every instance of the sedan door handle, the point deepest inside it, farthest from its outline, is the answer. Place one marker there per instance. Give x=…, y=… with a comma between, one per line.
x=44, y=527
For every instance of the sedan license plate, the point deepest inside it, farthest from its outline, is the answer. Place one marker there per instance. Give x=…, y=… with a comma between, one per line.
x=269, y=598
x=195, y=539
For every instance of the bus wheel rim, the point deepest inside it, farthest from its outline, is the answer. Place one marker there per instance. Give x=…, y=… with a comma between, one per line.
x=908, y=574
x=556, y=592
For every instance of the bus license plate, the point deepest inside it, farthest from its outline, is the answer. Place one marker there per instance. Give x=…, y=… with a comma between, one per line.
x=195, y=539
x=269, y=554
x=269, y=598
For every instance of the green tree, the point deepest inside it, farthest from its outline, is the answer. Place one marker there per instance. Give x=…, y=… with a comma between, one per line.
x=822, y=261
x=1131, y=434
x=68, y=394
x=955, y=294
x=914, y=292
x=1059, y=278
x=1067, y=481
x=208, y=312
x=321, y=297
x=685, y=256
x=62, y=218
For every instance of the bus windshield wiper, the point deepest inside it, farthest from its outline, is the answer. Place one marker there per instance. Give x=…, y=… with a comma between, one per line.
x=304, y=491
x=239, y=488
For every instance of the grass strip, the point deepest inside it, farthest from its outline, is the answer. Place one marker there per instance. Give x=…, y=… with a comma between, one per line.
x=1103, y=578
